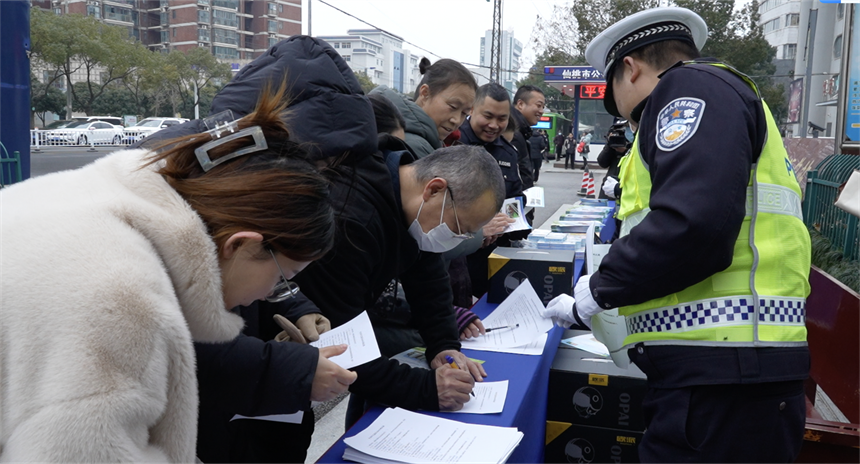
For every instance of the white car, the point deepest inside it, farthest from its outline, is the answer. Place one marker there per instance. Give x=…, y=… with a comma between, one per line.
x=85, y=133
x=148, y=127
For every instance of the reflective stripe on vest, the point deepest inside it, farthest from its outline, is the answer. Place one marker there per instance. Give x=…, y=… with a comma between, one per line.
x=726, y=309
x=719, y=312
x=774, y=199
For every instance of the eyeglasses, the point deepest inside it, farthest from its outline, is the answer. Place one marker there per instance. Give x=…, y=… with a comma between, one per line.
x=284, y=289
x=460, y=234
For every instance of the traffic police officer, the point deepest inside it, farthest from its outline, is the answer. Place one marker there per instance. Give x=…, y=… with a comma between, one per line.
x=711, y=270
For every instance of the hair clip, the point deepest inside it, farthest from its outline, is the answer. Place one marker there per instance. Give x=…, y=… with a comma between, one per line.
x=220, y=123
x=206, y=161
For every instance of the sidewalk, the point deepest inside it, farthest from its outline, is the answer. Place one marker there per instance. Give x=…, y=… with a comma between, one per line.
x=555, y=166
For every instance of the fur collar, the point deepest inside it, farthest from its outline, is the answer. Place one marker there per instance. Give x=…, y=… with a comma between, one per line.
x=148, y=204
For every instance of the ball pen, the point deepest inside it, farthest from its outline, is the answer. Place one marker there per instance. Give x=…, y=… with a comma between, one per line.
x=450, y=361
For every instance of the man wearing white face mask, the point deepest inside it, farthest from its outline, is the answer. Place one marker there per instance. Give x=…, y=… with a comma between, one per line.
x=396, y=214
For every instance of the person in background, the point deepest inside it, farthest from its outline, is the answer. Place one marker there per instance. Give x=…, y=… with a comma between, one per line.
x=149, y=251
x=529, y=102
x=619, y=139
x=569, y=150
x=537, y=150
x=710, y=275
x=439, y=105
x=584, y=148
x=558, y=143
x=546, y=143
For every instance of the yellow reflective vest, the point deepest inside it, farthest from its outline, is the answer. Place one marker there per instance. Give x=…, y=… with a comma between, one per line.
x=759, y=300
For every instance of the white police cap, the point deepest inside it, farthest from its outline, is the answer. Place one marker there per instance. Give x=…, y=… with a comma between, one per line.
x=643, y=28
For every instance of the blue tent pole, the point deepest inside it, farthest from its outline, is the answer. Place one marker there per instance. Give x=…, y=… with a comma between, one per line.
x=15, y=84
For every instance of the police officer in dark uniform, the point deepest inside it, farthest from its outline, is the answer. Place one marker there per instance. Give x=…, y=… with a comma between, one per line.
x=711, y=269
x=484, y=127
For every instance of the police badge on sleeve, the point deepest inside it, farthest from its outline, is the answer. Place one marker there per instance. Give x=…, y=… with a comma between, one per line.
x=678, y=121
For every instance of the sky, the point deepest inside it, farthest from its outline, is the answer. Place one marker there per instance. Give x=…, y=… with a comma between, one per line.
x=449, y=28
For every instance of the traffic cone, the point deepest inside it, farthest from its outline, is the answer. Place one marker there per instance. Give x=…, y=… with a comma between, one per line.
x=584, y=189
x=591, y=193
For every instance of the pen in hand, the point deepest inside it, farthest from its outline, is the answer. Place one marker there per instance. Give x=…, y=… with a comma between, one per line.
x=450, y=361
x=500, y=328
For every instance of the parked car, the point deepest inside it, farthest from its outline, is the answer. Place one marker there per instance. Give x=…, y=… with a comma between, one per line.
x=147, y=127
x=84, y=133
x=59, y=124
x=116, y=121
x=42, y=133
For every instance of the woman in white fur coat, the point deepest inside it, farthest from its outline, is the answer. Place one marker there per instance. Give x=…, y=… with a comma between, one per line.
x=110, y=271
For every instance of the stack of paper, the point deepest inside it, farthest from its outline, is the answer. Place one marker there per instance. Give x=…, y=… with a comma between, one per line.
x=398, y=435
x=523, y=311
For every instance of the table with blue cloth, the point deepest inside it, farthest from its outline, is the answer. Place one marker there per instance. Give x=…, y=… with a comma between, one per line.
x=525, y=405
x=526, y=402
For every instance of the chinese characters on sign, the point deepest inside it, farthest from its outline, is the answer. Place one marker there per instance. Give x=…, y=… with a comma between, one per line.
x=576, y=74
x=592, y=91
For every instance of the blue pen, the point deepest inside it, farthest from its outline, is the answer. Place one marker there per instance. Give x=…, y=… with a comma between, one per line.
x=450, y=361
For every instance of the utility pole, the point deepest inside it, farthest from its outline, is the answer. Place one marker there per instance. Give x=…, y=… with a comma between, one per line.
x=807, y=80
x=496, y=48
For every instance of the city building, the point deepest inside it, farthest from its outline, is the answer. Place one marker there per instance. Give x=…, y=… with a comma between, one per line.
x=780, y=20
x=380, y=55
x=821, y=55
x=512, y=50
x=235, y=31
x=786, y=26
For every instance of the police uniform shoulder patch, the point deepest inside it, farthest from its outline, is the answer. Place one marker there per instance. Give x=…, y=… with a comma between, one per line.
x=678, y=121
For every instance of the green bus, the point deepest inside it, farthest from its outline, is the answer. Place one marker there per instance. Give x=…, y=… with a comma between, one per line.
x=553, y=123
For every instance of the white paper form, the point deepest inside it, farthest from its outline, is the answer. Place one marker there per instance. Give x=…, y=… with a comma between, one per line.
x=521, y=307
x=489, y=398
x=534, y=348
x=358, y=335
x=398, y=435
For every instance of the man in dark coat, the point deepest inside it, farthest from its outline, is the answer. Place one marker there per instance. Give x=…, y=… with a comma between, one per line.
x=484, y=128
x=537, y=148
x=248, y=376
x=529, y=102
x=558, y=141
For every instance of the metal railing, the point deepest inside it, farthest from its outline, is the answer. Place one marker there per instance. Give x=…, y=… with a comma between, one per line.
x=819, y=210
x=61, y=138
x=10, y=168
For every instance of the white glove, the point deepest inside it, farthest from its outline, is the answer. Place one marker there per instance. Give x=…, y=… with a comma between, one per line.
x=585, y=304
x=609, y=187
x=561, y=308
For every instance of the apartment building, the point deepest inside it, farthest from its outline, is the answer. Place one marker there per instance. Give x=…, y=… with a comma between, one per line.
x=380, y=55
x=235, y=31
